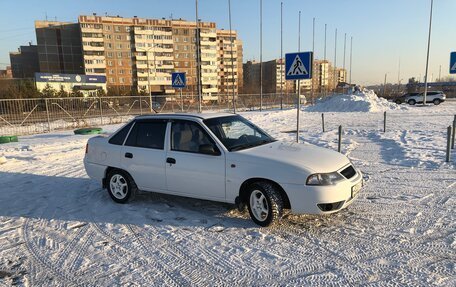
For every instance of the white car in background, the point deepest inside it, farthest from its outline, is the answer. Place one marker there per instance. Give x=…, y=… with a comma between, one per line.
x=221, y=157
x=434, y=97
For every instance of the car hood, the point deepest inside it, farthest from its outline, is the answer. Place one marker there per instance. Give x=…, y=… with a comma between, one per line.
x=307, y=156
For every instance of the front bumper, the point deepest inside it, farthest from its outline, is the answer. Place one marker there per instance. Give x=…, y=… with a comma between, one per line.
x=305, y=199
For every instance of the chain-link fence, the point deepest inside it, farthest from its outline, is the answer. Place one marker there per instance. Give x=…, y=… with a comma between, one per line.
x=32, y=116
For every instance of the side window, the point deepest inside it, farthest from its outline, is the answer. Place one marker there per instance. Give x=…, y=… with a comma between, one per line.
x=189, y=136
x=119, y=137
x=148, y=134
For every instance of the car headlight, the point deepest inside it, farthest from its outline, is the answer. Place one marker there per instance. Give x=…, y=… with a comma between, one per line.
x=324, y=178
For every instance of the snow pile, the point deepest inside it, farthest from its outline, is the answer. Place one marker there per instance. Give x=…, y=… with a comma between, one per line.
x=366, y=101
x=2, y=159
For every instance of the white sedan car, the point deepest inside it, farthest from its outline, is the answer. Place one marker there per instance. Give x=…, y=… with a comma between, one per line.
x=221, y=157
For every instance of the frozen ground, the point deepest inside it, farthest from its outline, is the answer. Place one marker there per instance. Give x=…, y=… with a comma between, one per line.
x=59, y=228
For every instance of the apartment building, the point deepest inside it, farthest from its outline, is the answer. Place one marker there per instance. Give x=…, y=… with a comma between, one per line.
x=230, y=75
x=273, y=78
x=137, y=54
x=59, y=47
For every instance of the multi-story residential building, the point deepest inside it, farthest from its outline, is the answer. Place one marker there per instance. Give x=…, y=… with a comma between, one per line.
x=137, y=54
x=273, y=78
x=24, y=63
x=230, y=62
x=59, y=47
x=6, y=73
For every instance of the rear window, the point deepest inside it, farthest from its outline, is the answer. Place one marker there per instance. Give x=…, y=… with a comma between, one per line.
x=148, y=134
x=119, y=137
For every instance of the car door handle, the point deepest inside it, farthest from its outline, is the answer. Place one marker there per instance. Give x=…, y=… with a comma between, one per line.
x=171, y=160
x=128, y=155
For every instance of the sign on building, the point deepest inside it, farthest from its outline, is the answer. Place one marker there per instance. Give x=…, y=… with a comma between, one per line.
x=298, y=66
x=178, y=80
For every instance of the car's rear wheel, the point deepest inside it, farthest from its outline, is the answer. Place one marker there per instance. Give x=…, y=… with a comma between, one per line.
x=265, y=203
x=412, y=102
x=436, y=101
x=121, y=187
x=398, y=102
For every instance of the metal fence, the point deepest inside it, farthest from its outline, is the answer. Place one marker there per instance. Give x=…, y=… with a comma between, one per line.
x=32, y=116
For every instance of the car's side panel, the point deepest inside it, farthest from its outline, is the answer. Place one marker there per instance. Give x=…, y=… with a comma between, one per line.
x=100, y=155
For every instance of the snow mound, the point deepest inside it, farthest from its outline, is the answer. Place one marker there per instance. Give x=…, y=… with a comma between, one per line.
x=365, y=101
x=2, y=159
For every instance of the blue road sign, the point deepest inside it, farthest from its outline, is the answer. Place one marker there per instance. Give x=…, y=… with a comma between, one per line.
x=178, y=80
x=298, y=66
x=453, y=63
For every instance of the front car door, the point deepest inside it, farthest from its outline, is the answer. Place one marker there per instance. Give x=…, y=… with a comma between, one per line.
x=192, y=169
x=143, y=154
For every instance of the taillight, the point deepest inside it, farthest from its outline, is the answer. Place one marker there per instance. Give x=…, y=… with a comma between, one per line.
x=87, y=148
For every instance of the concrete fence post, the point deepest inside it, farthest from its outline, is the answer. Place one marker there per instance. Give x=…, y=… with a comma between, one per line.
x=339, y=144
x=448, y=149
x=101, y=111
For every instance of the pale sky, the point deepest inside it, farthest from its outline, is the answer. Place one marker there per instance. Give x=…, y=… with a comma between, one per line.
x=384, y=31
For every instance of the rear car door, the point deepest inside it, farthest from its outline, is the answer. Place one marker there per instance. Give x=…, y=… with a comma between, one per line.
x=195, y=164
x=143, y=154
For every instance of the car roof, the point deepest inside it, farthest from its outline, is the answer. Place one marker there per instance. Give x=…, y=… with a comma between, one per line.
x=203, y=116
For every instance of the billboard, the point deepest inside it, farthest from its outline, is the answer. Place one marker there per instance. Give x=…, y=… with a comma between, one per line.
x=69, y=78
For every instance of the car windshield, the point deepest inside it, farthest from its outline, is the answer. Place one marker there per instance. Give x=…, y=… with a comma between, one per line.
x=237, y=133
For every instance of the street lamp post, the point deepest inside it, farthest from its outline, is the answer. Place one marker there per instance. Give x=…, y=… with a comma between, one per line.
x=427, y=58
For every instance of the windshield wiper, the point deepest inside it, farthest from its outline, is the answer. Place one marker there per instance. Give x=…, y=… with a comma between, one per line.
x=250, y=145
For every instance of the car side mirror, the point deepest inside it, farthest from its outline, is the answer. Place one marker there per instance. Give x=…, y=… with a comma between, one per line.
x=208, y=149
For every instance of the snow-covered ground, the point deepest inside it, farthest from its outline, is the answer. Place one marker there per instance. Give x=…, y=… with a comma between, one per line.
x=58, y=227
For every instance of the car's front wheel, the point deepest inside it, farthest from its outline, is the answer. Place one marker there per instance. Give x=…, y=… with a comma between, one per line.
x=436, y=101
x=265, y=203
x=398, y=102
x=121, y=187
x=412, y=102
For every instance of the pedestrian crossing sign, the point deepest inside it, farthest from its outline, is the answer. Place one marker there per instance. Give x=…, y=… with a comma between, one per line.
x=178, y=80
x=453, y=63
x=298, y=66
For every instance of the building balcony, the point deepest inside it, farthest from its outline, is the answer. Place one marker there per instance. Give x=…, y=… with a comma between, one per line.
x=93, y=48
x=92, y=39
x=91, y=30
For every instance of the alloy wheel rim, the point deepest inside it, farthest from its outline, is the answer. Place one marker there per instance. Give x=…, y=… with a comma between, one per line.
x=259, y=205
x=119, y=186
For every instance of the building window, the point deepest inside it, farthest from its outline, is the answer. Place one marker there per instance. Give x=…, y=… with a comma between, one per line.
x=117, y=28
x=119, y=55
x=119, y=46
x=111, y=71
x=121, y=72
x=109, y=63
x=119, y=62
x=109, y=54
x=107, y=28
x=112, y=80
x=118, y=37
x=109, y=45
x=127, y=28
x=108, y=36
x=121, y=80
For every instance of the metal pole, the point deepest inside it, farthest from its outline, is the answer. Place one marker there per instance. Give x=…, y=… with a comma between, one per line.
x=384, y=122
x=232, y=58
x=335, y=62
x=440, y=73
x=323, y=122
x=427, y=58
x=351, y=50
x=399, y=78
x=298, y=105
x=326, y=75
x=198, y=62
x=339, y=143
x=448, y=152
x=313, y=53
x=101, y=111
x=47, y=113
x=261, y=55
x=182, y=100
x=345, y=44
x=384, y=85
x=281, y=55
x=454, y=132
x=148, y=81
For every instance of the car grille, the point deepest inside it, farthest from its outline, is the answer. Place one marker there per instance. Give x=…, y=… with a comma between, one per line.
x=348, y=172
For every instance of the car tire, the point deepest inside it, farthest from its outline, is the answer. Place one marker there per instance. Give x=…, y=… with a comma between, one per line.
x=264, y=203
x=398, y=102
x=412, y=102
x=121, y=186
x=436, y=101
